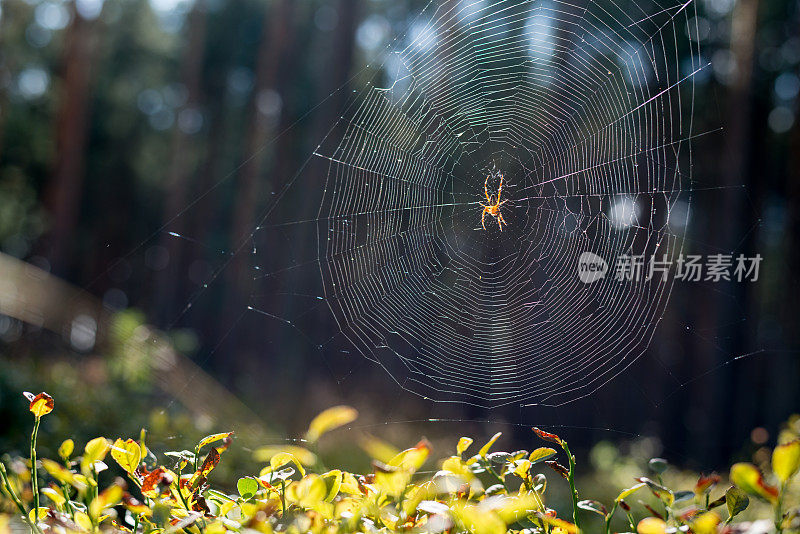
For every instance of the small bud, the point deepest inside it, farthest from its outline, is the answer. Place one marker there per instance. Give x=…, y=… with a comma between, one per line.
x=66, y=448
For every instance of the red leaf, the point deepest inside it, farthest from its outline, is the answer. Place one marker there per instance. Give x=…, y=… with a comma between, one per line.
x=199, y=503
x=547, y=436
x=211, y=461
x=424, y=444
x=226, y=442
x=704, y=483
x=558, y=468
x=652, y=511
x=152, y=481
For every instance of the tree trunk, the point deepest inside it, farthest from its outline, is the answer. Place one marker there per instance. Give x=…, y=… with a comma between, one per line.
x=275, y=42
x=65, y=189
x=333, y=81
x=717, y=314
x=341, y=63
x=182, y=166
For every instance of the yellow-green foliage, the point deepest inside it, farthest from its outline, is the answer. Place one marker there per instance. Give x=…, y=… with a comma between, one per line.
x=481, y=492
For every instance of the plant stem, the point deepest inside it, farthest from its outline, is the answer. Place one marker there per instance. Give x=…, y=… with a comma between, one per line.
x=66, y=492
x=539, y=499
x=9, y=490
x=67, y=503
x=609, y=516
x=779, y=509
x=571, y=480
x=495, y=475
x=630, y=521
x=543, y=509
x=94, y=491
x=34, y=468
x=283, y=498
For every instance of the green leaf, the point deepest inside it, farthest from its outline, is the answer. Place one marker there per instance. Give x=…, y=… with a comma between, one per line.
x=541, y=454
x=330, y=419
x=333, y=481
x=95, y=451
x=665, y=494
x=247, y=487
x=142, y=446
x=219, y=496
x=212, y=438
x=717, y=502
x=127, y=454
x=630, y=491
x=658, y=465
x=520, y=468
x=593, y=506
x=305, y=456
x=283, y=458
x=540, y=483
x=736, y=500
x=485, y=448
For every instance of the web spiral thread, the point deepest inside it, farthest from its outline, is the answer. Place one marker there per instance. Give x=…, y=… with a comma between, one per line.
x=584, y=108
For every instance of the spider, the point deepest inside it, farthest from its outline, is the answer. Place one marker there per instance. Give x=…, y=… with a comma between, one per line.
x=493, y=208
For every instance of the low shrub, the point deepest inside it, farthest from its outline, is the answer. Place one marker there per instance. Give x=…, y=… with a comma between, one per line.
x=482, y=493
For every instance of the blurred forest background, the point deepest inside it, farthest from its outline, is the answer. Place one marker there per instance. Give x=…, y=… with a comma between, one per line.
x=124, y=122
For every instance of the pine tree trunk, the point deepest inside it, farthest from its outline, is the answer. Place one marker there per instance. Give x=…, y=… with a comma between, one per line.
x=66, y=187
x=717, y=341
x=182, y=167
x=277, y=33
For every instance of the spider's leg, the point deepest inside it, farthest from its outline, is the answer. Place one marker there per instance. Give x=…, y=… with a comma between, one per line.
x=500, y=189
x=486, y=189
x=483, y=219
x=501, y=221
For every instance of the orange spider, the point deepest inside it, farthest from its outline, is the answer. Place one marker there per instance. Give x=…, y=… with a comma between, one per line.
x=493, y=208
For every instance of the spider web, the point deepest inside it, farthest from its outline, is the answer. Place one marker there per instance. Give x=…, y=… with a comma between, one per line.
x=585, y=109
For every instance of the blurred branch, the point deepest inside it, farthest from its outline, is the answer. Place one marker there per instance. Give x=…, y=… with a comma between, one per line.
x=34, y=296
